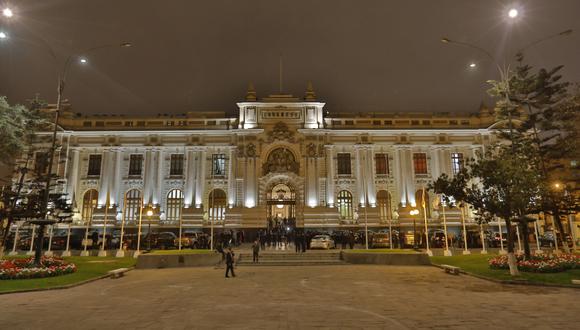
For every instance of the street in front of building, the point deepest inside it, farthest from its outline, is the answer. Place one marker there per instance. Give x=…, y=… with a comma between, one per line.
x=346, y=296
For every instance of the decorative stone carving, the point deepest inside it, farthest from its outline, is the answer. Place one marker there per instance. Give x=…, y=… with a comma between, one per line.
x=280, y=132
x=311, y=150
x=250, y=150
x=279, y=161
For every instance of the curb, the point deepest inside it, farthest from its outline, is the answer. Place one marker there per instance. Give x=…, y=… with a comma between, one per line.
x=514, y=282
x=62, y=287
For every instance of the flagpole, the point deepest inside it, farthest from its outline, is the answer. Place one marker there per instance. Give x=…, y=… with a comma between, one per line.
x=465, y=250
x=120, y=252
x=102, y=252
x=138, y=252
x=447, y=252
x=424, y=205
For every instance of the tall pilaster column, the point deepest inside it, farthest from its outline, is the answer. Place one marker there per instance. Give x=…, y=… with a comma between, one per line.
x=311, y=178
x=118, y=183
x=190, y=175
x=250, y=180
x=200, y=181
x=73, y=176
x=159, y=176
x=329, y=176
x=370, y=177
x=148, y=177
x=105, y=178
x=359, y=177
x=231, y=178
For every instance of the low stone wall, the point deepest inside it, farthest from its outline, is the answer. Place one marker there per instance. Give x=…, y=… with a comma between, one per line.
x=401, y=259
x=148, y=261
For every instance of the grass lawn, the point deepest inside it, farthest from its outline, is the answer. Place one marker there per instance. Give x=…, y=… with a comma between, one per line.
x=87, y=268
x=477, y=264
x=382, y=251
x=183, y=251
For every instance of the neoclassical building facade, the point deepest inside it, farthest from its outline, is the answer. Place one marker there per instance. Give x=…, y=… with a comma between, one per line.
x=281, y=157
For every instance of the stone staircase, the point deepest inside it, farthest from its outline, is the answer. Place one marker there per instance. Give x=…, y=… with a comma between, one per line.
x=287, y=258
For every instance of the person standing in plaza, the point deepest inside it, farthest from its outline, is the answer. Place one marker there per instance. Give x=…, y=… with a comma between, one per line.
x=256, y=250
x=230, y=262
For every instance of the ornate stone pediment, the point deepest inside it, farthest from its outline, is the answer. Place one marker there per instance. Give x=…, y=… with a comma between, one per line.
x=280, y=132
x=281, y=160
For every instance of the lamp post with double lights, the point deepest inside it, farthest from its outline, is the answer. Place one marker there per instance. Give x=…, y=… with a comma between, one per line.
x=60, y=92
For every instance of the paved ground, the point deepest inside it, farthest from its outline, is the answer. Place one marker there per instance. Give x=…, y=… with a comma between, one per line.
x=363, y=297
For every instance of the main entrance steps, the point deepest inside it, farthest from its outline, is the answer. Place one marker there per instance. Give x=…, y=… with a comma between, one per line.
x=291, y=258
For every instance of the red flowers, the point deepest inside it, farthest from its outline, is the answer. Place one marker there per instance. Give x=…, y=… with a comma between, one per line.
x=25, y=268
x=539, y=263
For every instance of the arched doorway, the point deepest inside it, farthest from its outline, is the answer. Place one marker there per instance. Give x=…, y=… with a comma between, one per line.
x=217, y=206
x=90, y=200
x=281, y=201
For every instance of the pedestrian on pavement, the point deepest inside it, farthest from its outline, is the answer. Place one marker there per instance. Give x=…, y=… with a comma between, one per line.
x=256, y=250
x=230, y=262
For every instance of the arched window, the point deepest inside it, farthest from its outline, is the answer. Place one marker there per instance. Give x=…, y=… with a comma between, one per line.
x=345, y=204
x=133, y=205
x=419, y=201
x=90, y=200
x=217, y=205
x=384, y=205
x=174, y=204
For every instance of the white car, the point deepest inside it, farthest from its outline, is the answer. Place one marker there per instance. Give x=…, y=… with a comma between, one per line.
x=322, y=242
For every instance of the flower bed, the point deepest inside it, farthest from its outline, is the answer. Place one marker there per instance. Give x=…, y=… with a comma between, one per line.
x=539, y=263
x=17, y=269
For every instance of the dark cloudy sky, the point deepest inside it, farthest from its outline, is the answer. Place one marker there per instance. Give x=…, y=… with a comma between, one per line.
x=190, y=55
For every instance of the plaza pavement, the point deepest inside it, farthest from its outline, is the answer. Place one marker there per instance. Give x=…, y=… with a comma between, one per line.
x=334, y=297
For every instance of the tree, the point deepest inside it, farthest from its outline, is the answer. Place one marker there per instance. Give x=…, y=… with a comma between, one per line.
x=18, y=128
x=549, y=124
x=498, y=184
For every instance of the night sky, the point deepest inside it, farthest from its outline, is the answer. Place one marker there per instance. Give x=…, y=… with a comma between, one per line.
x=200, y=55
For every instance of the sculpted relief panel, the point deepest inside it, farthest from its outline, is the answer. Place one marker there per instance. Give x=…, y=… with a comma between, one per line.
x=281, y=160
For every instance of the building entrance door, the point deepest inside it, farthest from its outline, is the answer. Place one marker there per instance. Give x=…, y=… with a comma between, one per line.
x=281, y=201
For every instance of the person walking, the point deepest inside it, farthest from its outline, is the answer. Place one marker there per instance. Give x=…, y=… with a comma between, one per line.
x=230, y=262
x=256, y=250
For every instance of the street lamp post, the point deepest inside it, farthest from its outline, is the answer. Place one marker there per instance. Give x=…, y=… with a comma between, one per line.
x=414, y=213
x=60, y=90
x=149, y=214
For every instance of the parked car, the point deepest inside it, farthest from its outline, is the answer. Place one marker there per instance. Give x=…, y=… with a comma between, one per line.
x=163, y=240
x=322, y=242
x=190, y=240
x=381, y=240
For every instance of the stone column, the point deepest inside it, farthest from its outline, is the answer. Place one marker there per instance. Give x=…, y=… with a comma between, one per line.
x=190, y=175
x=231, y=178
x=117, y=194
x=148, y=177
x=358, y=175
x=250, y=179
x=200, y=181
x=105, y=178
x=329, y=176
x=370, y=177
x=311, y=179
x=73, y=176
x=159, y=176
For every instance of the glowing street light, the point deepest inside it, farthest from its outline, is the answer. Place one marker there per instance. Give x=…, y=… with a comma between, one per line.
x=7, y=12
x=472, y=65
x=83, y=60
x=513, y=13
x=3, y=35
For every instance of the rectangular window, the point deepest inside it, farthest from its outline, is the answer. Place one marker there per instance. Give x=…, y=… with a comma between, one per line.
x=382, y=164
x=343, y=160
x=135, y=165
x=456, y=162
x=176, y=166
x=420, y=163
x=41, y=162
x=218, y=165
x=94, y=165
